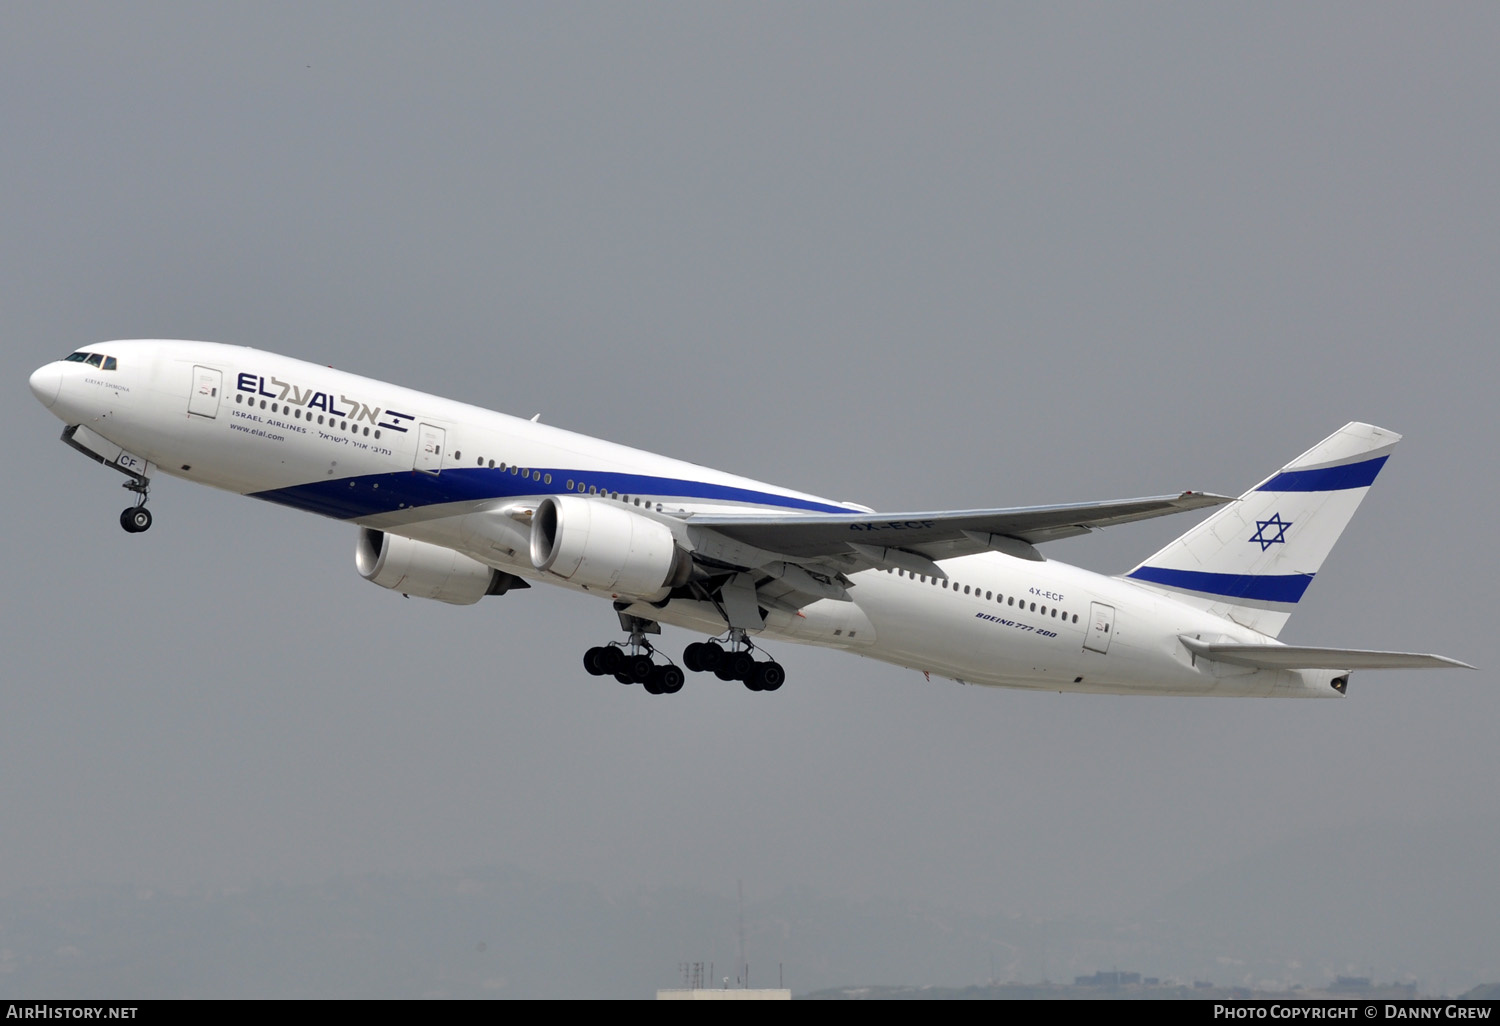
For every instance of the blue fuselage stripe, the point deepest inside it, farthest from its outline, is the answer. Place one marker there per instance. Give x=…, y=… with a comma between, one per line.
x=1326, y=479
x=1264, y=588
x=352, y=497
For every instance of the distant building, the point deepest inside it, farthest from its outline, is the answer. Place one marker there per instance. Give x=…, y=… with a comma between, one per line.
x=1108, y=980
x=723, y=994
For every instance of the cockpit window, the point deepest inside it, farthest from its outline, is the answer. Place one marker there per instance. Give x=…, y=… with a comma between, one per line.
x=92, y=359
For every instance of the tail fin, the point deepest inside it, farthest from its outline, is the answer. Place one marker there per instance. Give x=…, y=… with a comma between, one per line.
x=1252, y=560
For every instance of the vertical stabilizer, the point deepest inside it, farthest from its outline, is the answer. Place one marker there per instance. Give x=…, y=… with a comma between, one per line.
x=1252, y=560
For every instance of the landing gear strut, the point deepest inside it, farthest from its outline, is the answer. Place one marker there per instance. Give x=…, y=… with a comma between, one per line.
x=735, y=662
x=632, y=662
x=137, y=518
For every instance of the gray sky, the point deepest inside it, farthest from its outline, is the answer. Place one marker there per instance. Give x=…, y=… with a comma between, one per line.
x=917, y=257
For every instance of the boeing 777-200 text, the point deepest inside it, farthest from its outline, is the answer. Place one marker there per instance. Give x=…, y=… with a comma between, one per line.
x=453, y=502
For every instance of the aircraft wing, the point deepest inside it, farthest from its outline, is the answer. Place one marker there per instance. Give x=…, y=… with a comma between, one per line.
x=1302, y=657
x=914, y=540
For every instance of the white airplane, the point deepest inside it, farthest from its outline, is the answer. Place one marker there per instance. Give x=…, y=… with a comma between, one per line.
x=454, y=503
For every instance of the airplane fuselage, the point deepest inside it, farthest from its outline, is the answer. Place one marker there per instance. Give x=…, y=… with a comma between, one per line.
x=399, y=462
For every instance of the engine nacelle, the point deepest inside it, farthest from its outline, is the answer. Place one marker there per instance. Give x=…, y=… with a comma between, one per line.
x=600, y=545
x=427, y=571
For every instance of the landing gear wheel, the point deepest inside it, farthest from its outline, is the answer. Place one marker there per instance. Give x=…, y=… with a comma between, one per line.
x=769, y=676
x=135, y=519
x=624, y=678
x=639, y=667
x=609, y=659
x=591, y=662
x=670, y=680
x=652, y=683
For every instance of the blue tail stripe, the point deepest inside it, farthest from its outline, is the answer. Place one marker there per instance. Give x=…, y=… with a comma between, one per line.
x=1265, y=587
x=1326, y=479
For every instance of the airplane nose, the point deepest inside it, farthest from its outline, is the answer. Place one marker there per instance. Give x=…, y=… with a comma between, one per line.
x=45, y=384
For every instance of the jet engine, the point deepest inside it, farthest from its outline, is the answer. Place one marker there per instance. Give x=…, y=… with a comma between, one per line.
x=597, y=544
x=426, y=570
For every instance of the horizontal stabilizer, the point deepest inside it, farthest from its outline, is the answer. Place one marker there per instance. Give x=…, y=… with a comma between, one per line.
x=1302, y=657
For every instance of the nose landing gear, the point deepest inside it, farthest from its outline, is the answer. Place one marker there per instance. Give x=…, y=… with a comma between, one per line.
x=137, y=518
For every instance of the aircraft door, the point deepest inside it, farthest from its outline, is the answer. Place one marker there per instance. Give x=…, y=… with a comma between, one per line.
x=429, y=449
x=1101, y=626
x=208, y=384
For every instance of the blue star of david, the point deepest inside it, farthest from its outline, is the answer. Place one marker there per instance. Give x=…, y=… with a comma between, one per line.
x=1266, y=541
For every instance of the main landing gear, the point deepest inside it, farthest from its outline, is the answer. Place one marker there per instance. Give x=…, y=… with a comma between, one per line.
x=632, y=662
x=734, y=663
x=634, y=666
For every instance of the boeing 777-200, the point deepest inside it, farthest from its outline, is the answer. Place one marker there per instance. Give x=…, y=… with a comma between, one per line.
x=453, y=502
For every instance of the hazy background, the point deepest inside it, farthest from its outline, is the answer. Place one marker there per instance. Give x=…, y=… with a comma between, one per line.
x=913, y=256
